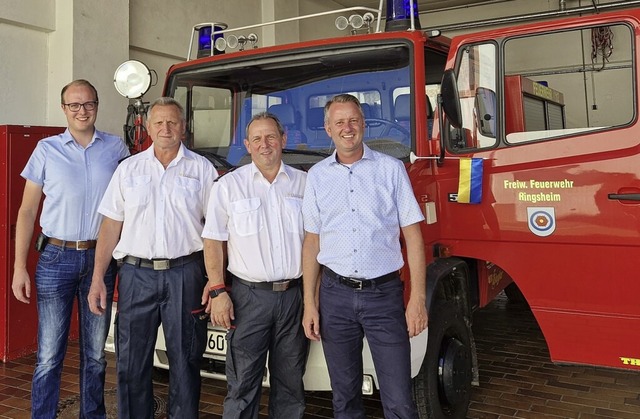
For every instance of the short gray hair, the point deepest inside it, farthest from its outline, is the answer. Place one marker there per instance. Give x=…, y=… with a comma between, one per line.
x=168, y=101
x=265, y=115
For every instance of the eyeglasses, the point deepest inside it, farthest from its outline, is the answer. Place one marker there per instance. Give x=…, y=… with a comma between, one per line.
x=75, y=107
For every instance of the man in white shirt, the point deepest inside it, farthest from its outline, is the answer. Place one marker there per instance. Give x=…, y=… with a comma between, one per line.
x=153, y=218
x=255, y=217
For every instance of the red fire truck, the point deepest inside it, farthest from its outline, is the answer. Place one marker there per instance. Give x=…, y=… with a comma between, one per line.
x=523, y=148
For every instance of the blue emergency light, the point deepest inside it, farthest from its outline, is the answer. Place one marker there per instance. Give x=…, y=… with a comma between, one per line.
x=205, y=41
x=399, y=15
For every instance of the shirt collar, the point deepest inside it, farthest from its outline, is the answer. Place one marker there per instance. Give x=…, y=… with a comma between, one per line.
x=284, y=169
x=67, y=137
x=183, y=152
x=368, y=154
x=147, y=154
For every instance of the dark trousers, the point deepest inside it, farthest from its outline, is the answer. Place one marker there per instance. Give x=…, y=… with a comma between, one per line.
x=265, y=322
x=147, y=298
x=346, y=316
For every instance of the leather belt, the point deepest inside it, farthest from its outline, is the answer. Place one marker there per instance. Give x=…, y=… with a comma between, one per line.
x=359, y=283
x=78, y=245
x=161, y=264
x=277, y=286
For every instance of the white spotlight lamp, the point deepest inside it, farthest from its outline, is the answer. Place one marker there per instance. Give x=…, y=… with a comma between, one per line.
x=132, y=79
x=356, y=21
x=342, y=23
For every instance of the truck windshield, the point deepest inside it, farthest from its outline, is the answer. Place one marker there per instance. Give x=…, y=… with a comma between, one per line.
x=220, y=98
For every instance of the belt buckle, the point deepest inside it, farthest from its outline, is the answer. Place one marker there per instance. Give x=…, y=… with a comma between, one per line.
x=161, y=265
x=281, y=286
x=355, y=283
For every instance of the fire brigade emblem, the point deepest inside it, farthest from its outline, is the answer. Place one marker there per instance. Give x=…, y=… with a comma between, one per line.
x=542, y=220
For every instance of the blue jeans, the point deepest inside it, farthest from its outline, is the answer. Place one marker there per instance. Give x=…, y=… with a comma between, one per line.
x=346, y=316
x=63, y=275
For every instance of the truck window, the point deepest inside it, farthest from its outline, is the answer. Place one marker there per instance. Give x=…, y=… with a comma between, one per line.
x=555, y=85
x=476, y=73
x=432, y=91
x=221, y=99
x=560, y=84
x=211, y=122
x=384, y=130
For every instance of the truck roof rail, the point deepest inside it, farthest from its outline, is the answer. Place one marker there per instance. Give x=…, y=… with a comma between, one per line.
x=210, y=35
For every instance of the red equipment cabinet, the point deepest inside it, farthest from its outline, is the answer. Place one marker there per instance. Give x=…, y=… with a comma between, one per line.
x=18, y=321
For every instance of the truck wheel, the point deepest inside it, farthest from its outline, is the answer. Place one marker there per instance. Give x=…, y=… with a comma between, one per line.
x=442, y=388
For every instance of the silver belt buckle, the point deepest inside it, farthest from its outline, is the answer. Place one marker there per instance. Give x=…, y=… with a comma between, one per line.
x=78, y=243
x=281, y=286
x=356, y=284
x=161, y=265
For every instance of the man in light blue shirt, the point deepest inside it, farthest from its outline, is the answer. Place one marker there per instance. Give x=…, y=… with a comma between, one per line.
x=72, y=171
x=356, y=202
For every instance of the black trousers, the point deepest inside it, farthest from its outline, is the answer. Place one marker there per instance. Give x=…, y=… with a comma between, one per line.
x=266, y=322
x=147, y=298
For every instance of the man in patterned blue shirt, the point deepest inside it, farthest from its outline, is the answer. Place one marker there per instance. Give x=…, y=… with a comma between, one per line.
x=356, y=202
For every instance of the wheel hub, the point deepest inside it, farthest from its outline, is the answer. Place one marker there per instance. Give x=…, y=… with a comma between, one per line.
x=454, y=370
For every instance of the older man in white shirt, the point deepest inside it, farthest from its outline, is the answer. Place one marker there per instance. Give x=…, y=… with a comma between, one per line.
x=255, y=215
x=153, y=218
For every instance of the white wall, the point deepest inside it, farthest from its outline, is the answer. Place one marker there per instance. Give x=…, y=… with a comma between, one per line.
x=63, y=41
x=23, y=48
x=23, y=102
x=161, y=30
x=323, y=27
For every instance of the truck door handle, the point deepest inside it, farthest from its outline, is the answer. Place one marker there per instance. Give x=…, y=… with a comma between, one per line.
x=625, y=196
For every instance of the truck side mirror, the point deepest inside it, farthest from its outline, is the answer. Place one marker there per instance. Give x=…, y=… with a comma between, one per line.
x=451, y=99
x=485, y=111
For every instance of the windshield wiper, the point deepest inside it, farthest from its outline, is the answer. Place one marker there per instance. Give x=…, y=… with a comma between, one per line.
x=305, y=152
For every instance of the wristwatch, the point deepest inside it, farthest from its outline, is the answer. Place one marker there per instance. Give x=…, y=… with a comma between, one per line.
x=214, y=292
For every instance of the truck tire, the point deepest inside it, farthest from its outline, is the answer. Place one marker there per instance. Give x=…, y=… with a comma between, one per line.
x=442, y=388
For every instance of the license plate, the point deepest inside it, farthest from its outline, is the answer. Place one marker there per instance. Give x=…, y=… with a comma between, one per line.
x=216, y=343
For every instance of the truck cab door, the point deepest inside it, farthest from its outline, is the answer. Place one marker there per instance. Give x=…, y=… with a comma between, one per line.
x=551, y=109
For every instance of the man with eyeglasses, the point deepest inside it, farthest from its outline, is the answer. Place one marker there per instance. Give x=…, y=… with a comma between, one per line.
x=72, y=171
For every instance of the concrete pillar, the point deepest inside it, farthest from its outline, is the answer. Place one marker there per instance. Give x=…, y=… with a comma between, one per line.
x=90, y=41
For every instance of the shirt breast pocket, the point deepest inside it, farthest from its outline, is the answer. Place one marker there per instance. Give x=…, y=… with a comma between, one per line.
x=246, y=216
x=293, y=212
x=137, y=190
x=185, y=191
